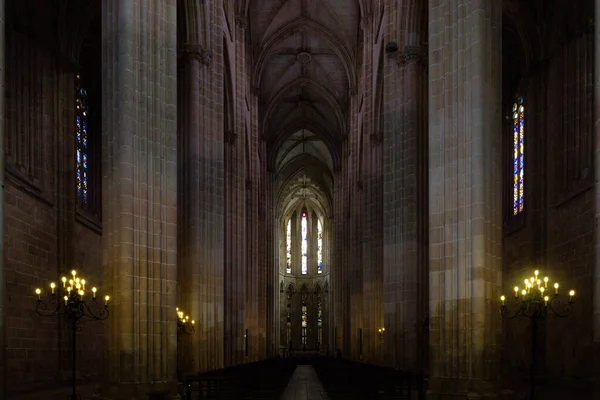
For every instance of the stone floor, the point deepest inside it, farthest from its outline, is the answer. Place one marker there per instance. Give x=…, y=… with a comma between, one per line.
x=304, y=385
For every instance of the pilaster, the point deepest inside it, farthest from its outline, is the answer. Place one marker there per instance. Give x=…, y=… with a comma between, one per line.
x=596, y=271
x=465, y=196
x=3, y=296
x=140, y=189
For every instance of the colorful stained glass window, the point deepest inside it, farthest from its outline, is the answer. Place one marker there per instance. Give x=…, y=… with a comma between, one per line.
x=518, y=156
x=304, y=322
x=319, y=247
x=304, y=226
x=288, y=248
x=81, y=116
x=319, y=320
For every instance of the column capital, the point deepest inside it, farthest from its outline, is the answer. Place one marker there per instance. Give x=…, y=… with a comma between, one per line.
x=197, y=52
x=241, y=21
x=412, y=53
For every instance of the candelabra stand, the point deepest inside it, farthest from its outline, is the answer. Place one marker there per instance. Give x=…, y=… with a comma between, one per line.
x=185, y=326
x=536, y=304
x=71, y=305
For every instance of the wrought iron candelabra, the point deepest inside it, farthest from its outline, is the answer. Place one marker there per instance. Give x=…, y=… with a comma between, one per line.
x=69, y=302
x=536, y=303
x=185, y=326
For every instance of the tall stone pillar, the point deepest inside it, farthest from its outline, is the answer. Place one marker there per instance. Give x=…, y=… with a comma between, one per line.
x=140, y=189
x=597, y=172
x=2, y=273
x=465, y=196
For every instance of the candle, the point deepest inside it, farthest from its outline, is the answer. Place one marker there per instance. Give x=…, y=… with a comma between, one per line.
x=556, y=288
x=536, y=273
x=64, y=281
x=545, y=300
x=73, y=273
x=524, y=292
x=516, y=291
x=83, y=284
x=66, y=300
x=38, y=292
x=94, y=293
x=571, y=295
x=502, y=298
x=546, y=282
x=52, y=286
x=106, y=298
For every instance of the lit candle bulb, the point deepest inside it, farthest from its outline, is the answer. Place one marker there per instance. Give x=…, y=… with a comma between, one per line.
x=66, y=300
x=106, y=298
x=502, y=298
x=571, y=295
x=64, y=281
x=524, y=292
x=542, y=290
x=70, y=282
x=546, y=300
x=536, y=273
x=556, y=288
x=539, y=283
x=76, y=280
x=83, y=284
x=69, y=290
x=38, y=292
x=81, y=293
x=78, y=286
x=516, y=291
x=52, y=286
x=193, y=322
x=546, y=282
x=94, y=293
x=177, y=309
x=73, y=273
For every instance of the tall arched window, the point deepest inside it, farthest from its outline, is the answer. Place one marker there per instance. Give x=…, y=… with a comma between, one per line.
x=81, y=120
x=518, y=156
x=304, y=318
x=319, y=247
x=304, y=226
x=288, y=248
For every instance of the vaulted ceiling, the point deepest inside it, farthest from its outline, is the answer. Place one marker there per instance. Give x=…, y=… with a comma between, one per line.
x=305, y=68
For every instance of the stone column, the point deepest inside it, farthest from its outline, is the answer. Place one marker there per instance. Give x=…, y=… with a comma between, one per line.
x=465, y=196
x=140, y=189
x=2, y=274
x=596, y=272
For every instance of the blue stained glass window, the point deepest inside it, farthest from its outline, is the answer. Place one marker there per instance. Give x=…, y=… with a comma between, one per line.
x=319, y=247
x=518, y=156
x=81, y=116
x=288, y=248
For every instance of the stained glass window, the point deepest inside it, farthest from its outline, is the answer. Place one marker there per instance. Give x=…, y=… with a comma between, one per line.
x=319, y=321
x=518, y=155
x=304, y=227
x=304, y=322
x=81, y=116
x=319, y=247
x=288, y=248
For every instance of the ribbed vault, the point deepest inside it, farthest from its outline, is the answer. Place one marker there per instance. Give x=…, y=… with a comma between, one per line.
x=304, y=70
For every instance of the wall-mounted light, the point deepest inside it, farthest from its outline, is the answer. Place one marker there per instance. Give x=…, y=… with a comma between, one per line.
x=381, y=331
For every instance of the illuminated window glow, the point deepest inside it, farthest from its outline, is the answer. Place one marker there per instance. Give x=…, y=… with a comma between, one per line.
x=288, y=248
x=304, y=227
x=518, y=156
x=319, y=247
x=81, y=131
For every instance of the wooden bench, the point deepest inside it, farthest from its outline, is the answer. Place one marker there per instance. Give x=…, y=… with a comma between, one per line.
x=259, y=380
